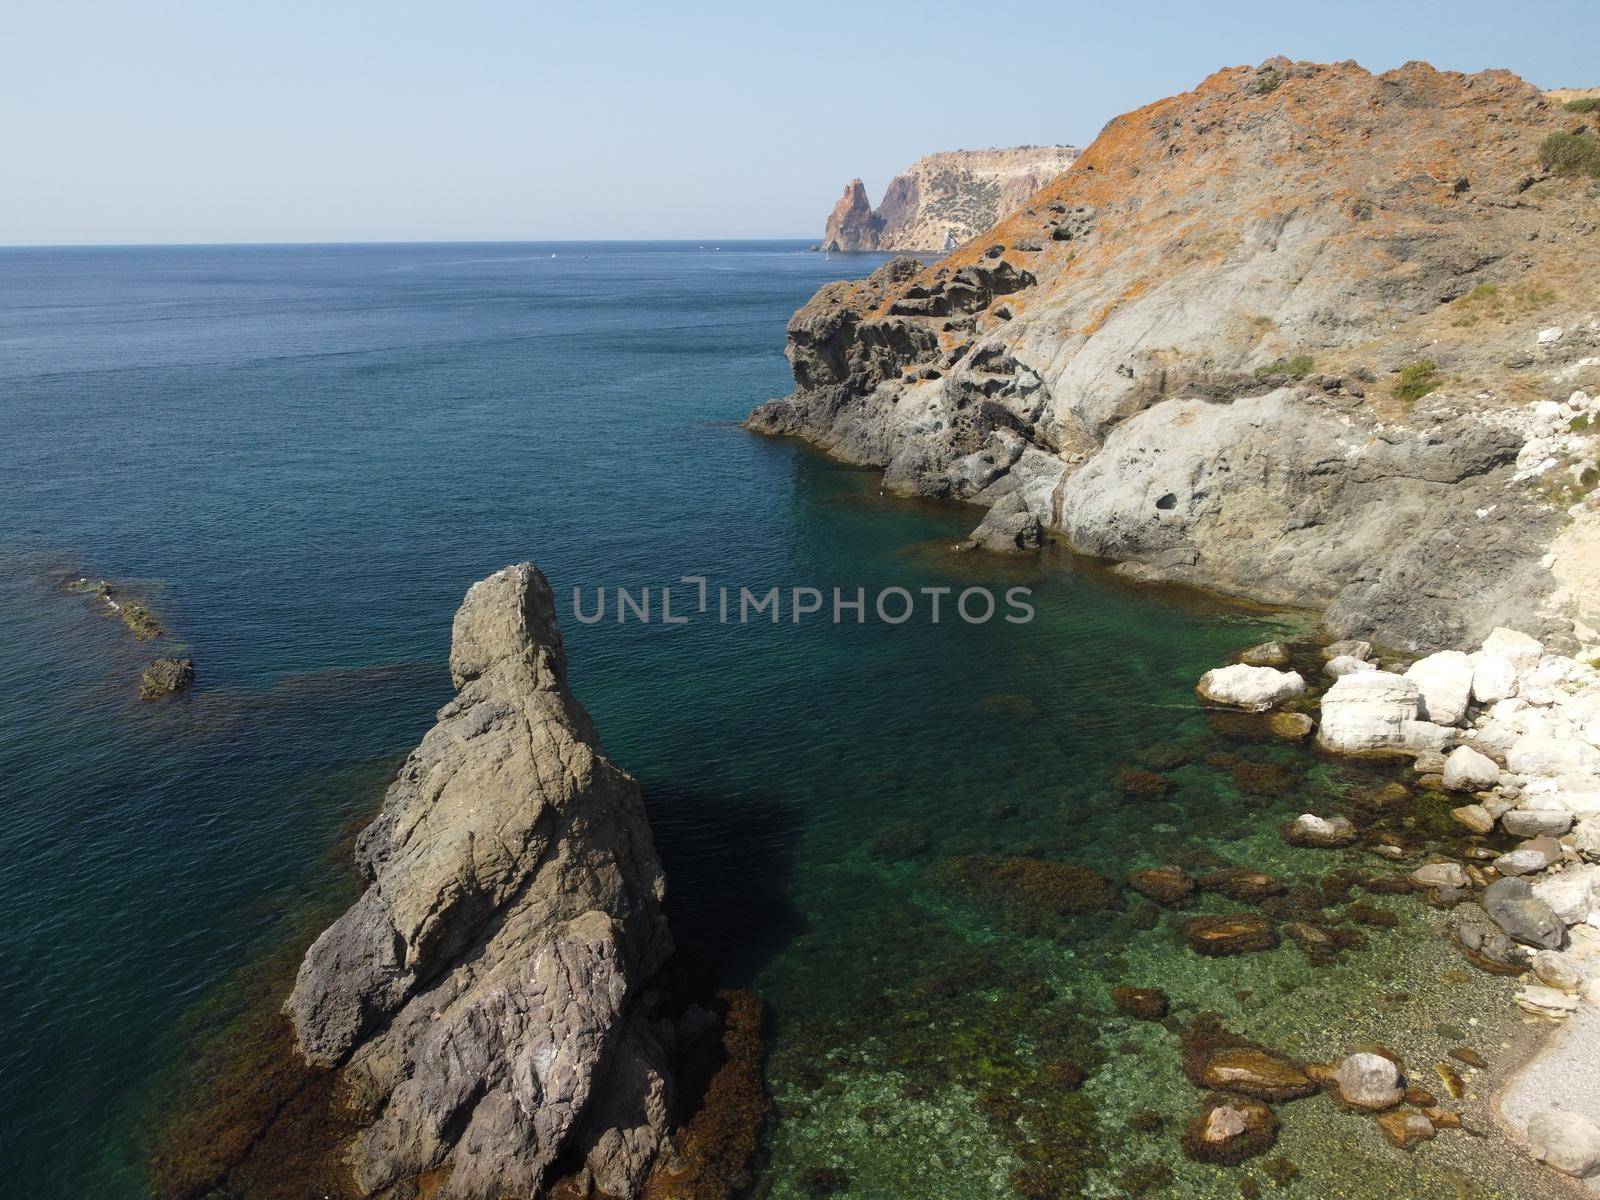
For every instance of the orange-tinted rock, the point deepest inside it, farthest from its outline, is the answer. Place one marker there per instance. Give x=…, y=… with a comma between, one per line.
x=1257, y=1073
x=1164, y=885
x=1405, y=1128
x=1237, y=933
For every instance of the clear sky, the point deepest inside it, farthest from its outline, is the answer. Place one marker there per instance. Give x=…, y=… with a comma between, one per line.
x=375, y=120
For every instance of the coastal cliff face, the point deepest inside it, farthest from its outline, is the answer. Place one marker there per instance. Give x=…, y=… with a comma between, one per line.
x=1306, y=334
x=943, y=199
x=487, y=999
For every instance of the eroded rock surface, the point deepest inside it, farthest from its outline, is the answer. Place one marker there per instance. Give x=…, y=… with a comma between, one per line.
x=486, y=997
x=1276, y=336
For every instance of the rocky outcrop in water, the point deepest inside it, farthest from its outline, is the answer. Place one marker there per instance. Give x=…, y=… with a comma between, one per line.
x=943, y=199
x=488, y=999
x=1306, y=334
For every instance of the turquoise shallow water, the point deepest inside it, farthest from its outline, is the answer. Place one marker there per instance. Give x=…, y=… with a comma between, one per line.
x=303, y=455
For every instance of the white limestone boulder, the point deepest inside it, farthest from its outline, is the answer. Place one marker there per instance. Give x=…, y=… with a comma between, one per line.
x=1494, y=678
x=1466, y=770
x=1255, y=689
x=1517, y=648
x=1571, y=894
x=1445, y=682
x=1368, y=713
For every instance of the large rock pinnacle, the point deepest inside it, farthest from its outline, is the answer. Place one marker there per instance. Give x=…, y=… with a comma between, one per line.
x=484, y=997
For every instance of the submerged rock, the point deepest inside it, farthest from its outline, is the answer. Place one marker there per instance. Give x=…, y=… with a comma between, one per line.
x=1237, y=933
x=1227, y=1130
x=484, y=997
x=1369, y=1081
x=166, y=677
x=1144, y=1004
x=1257, y=1073
x=1267, y=654
x=1310, y=830
x=1164, y=885
x=1406, y=1129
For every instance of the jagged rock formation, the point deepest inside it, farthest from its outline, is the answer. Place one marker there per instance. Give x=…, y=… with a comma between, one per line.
x=1277, y=336
x=488, y=996
x=941, y=200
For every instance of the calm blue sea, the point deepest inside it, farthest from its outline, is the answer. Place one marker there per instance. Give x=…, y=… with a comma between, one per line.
x=302, y=456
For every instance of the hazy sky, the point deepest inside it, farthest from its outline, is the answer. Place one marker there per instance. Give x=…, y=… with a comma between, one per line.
x=362, y=120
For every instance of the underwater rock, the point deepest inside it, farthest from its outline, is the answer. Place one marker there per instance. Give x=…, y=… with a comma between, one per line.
x=1229, y=1129
x=1406, y=1129
x=1440, y=875
x=1369, y=1081
x=1164, y=885
x=1035, y=883
x=1485, y=944
x=1291, y=726
x=1267, y=654
x=1241, y=884
x=1310, y=830
x=1138, y=784
x=166, y=677
x=1568, y=1142
x=1144, y=1004
x=1257, y=1073
x=1237, y=933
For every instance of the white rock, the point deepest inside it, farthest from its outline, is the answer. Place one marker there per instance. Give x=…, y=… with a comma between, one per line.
x=1547, y=754
x=1441, y=874
x=1557, y=970
x=1517, y=648
x=1521, y=862
x=1421, y=736
x=1367, y=712
x=1494, y=678
x=1369, y=1081
x=1256, y=689
x=1345, y=664
x=1445, y=681
x=1571, y=894
x=1585, y=837
x=1546, y=1001
x=1567, y=1141
x=1524, y=822
x=1550, y=336
x=1468, y=771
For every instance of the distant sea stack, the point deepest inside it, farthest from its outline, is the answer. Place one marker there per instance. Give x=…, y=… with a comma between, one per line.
x=943, y=199
x=493, y=999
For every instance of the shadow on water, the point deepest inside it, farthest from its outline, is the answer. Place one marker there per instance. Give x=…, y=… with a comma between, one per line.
x=728, y=861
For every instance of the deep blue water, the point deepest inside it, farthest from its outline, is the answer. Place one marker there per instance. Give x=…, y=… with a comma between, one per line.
x=302, y=456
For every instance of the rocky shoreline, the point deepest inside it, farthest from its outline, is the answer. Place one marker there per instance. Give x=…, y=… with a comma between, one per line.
x=1511, y=731
x=1247, y=343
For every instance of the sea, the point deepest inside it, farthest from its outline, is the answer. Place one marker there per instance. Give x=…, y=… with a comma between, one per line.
x=299, y=457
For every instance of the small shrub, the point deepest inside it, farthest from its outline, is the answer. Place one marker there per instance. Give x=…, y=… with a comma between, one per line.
x=1571, y=154
x=1585, y=104
x=1296, y=367
x=1417, y=380
x=1266, y=82
x=1580, y=424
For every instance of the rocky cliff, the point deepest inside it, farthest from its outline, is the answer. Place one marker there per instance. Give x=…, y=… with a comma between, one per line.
x=943, y=199
x=488, y=998
x=1307, y=334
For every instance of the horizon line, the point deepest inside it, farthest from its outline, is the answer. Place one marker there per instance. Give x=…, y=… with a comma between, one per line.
x=588, y=241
